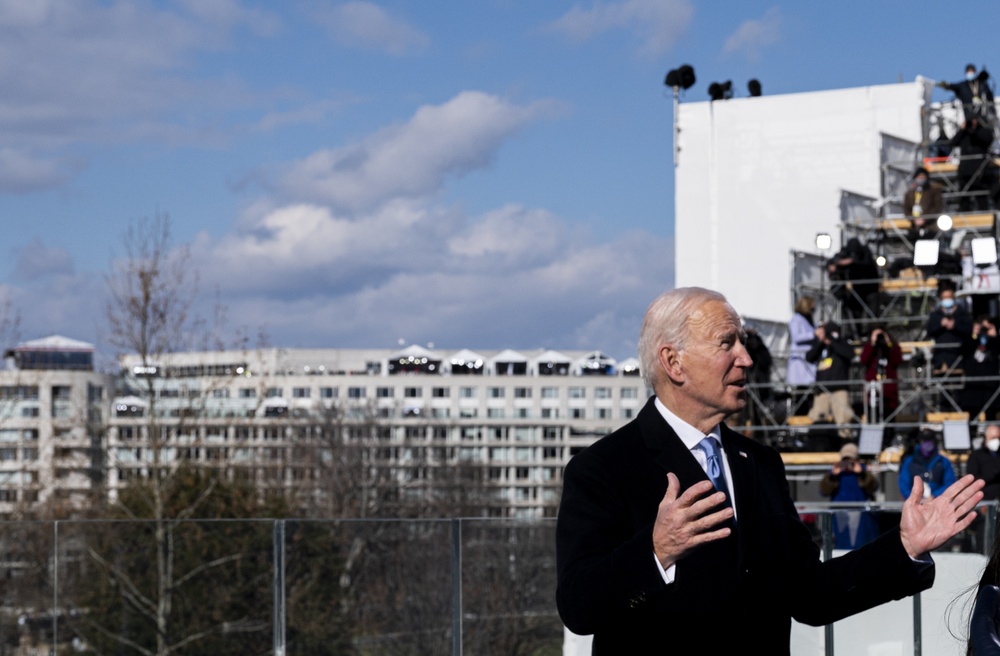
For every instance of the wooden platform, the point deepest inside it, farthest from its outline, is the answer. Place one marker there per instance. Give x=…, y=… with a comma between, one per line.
x=973, y=221
x=909, y=284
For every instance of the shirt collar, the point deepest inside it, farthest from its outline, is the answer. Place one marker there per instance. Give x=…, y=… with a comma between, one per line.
x=689, y=435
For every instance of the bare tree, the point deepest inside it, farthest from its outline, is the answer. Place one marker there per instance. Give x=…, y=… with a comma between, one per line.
x=152, y=291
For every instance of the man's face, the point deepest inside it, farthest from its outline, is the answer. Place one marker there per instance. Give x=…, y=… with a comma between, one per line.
x=715, y=361
x=948, y=301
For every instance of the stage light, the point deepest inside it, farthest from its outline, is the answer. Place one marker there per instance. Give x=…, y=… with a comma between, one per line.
x=984, y=251
x=880, y=260
x=823, y=241
x=944, y=223
x=925, y=252
x=681, y=77
x=720, y=90
x=753, y=86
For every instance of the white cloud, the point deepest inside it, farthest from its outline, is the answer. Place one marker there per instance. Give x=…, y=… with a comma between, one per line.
x=366, y=25
x=413, y=159
x=22, y=172
x=656, y=24
x=755, y=34
x=511, y=234
x=513, y=276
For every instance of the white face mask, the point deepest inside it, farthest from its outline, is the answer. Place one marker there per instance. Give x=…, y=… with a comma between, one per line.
x=993, y=445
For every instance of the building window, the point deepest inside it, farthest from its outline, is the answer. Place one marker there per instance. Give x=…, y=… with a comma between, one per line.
x=412, y=392
x=355, y=392
x=550, y=413
x=602, y=392
x=301, y=392
x=628, y=413
x=273, y=392
x=521, y=473
x=577, y=393
x=384, y=392
x=29, y=411
x=604, y=413
x=8, y=454
x=630, y=392
x=467, y=392
x=440, y=392
x=467, y=413
x=522, y=392
x=496, y=392
x=29, y=454
x=577, y=413
x=551, y=433
x=495, y=413
x=550, y=392
x=220, y=393
x=328, y=392
x=522, y=413
x=248, y=393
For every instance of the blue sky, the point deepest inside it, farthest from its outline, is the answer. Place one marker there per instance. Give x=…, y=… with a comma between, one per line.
x=484, y=174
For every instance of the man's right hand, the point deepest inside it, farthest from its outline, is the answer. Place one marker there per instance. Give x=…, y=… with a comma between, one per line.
x=689, y=520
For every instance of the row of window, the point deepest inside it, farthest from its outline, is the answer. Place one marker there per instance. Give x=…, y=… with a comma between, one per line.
x=275, y=433
x=465, y=392
x=9, y=454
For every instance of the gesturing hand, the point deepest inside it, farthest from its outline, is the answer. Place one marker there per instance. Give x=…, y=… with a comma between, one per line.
x=926, y=525
x=684, y=522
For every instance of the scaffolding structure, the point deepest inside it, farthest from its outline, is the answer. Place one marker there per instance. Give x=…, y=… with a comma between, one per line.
x=905, y=296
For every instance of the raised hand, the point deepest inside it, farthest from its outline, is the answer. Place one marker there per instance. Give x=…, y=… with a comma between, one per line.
x=687, y=521
x=927, y=524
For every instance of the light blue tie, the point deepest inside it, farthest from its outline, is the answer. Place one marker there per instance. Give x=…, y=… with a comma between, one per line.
x=716, y=472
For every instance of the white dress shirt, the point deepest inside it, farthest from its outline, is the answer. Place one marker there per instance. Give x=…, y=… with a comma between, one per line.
x=691, y=436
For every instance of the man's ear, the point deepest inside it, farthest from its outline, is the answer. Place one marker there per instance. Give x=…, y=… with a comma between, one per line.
x=670, y=360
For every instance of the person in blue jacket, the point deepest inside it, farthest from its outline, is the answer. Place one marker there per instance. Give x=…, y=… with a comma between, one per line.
x=926, y=462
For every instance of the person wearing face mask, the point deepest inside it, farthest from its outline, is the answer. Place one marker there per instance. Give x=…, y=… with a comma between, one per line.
x=850, y=481
x=973, y=92
x=981, y=363
x=923, y=203
x=950, y=327
x=832, y=355
x=926, y=463
x=984, y=463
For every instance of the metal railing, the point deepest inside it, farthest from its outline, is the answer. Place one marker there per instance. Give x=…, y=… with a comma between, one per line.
x=304, y=587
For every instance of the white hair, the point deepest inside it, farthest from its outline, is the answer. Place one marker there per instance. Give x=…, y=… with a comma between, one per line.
x=666, y=322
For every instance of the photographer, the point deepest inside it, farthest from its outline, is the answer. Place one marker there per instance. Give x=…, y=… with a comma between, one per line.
x=855, y=282
x=973, y=92
x=881, y=357
x=981, y=360
x=850, y=481
x=832, y=355
x=950, y=327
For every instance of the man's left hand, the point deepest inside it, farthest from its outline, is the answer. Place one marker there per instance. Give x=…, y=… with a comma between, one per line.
x=927, y=524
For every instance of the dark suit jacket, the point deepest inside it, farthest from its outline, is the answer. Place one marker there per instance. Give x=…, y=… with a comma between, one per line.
x=729, y=595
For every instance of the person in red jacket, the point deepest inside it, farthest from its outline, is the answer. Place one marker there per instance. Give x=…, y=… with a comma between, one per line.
x=881, y=357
